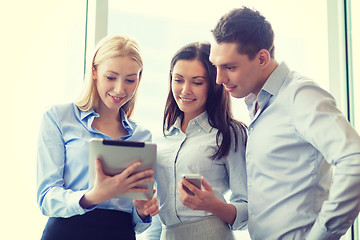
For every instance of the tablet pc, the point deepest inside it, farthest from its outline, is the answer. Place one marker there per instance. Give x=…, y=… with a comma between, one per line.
x=117, y=155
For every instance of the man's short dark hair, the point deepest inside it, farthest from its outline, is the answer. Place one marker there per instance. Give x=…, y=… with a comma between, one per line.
x=248, y=28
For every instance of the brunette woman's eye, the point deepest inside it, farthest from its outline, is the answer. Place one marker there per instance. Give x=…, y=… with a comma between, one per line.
x=130, y=80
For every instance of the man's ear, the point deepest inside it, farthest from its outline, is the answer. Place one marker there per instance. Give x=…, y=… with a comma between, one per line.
x=264, y=57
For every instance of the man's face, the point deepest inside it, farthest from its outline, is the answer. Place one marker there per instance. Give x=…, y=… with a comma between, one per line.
x=239, y=75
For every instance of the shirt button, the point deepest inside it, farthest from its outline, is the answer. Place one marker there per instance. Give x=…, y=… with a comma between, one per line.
x=251, y=129
x=199, y=130
x=192, y=123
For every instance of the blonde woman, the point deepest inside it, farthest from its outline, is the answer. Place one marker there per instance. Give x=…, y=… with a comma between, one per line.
x=103, y=111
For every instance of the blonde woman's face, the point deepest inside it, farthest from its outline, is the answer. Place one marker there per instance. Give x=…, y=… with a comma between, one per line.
x=116, y=80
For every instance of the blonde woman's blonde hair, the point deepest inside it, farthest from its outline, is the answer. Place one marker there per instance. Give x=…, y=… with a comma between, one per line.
x=109, y=47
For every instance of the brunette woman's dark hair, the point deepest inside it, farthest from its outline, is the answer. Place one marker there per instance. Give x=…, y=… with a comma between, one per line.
x=217, y=103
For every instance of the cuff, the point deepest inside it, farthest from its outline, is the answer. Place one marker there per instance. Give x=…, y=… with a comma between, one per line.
x=140, y=225
x=241, y=218
x=76, y=199
x=317, y=232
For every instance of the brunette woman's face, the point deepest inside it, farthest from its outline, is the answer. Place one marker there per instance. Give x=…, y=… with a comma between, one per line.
x=190, y=86
x=116, y=80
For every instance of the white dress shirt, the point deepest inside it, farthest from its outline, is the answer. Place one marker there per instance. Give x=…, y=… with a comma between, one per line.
x=295, y=137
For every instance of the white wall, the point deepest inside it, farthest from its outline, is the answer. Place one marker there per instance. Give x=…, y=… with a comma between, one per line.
x=41, y=43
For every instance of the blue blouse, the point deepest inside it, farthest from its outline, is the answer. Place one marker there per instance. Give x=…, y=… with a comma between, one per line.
x=63, y=161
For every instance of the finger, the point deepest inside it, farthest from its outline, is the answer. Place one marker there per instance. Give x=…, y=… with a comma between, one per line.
x=152, y=207
x=152, y=201
x=207, y=186
x=141, y=175
x=189, y=202
x=191, y=187
x=181, y=189
x=99, y=168
x=184, y=196
x=130, y=169
x=154, y=212
x=137, y=183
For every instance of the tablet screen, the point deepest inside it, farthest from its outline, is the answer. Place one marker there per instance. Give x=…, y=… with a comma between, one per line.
x=117, y=155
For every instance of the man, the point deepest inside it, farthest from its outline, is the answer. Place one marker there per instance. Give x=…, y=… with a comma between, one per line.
x=296, y=134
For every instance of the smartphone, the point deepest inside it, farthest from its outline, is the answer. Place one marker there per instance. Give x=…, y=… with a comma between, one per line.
x=193, y=178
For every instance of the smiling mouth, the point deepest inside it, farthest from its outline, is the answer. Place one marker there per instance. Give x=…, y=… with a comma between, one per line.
x=187, y=100
x=116, y=99
x=228, y=88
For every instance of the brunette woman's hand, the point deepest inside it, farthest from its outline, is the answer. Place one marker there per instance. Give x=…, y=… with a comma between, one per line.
x=147, y=207
x=204, y=199
x=106, y=187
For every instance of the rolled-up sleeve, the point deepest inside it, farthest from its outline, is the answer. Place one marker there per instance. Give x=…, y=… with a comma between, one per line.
x=140, y=225
x=53, y=199
x=325, y=127
x=236, y=168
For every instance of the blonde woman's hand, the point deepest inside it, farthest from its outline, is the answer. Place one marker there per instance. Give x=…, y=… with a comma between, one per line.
x=107, y=187
x=147, y=207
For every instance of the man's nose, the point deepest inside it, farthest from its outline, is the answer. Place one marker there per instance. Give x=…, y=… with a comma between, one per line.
x=221, y=76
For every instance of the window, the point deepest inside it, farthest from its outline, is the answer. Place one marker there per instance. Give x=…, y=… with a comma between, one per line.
x=355, y=53
x=300, y=39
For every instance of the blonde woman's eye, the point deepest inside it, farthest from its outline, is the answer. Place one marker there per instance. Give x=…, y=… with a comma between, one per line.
x=130, y=80
x=111, y=78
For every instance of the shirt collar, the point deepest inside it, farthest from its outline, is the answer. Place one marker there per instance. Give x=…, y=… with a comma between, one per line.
x=276, y=79
x=125, y=122
x=85, y=116
x=272, y=84
x=202, y=120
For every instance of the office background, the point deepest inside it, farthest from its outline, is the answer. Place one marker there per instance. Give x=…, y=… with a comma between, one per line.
x=44, y=44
